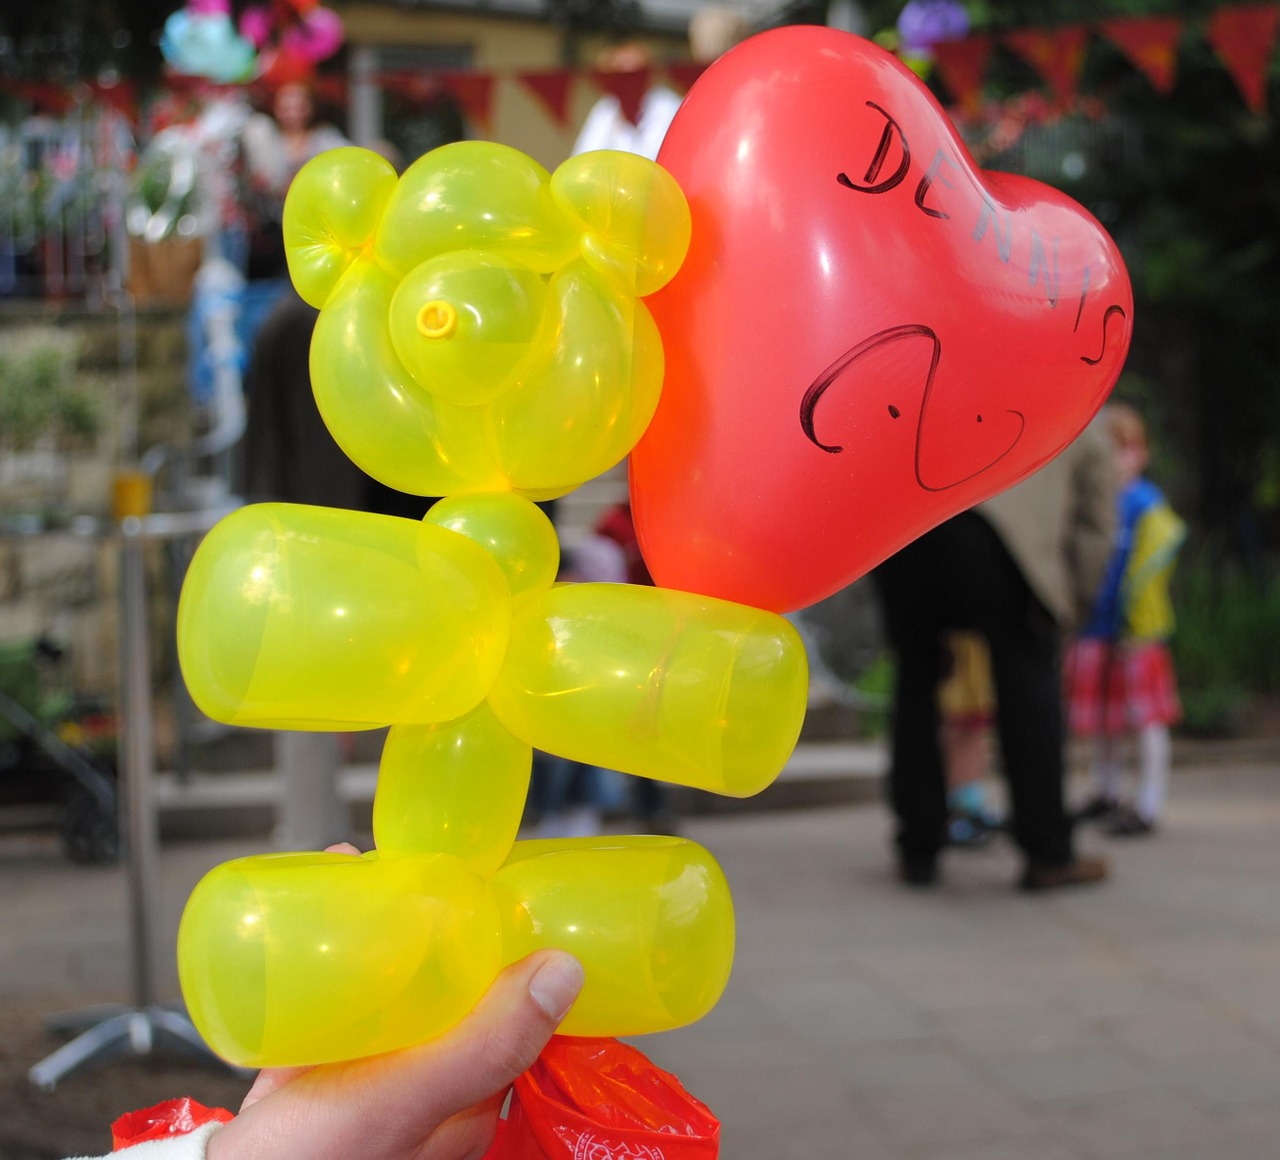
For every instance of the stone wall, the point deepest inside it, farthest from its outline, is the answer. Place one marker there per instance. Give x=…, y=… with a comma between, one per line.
x=55, y=581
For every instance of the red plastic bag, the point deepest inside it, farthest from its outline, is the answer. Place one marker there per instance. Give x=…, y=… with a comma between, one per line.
x=171, y=1118
x=598, y=1099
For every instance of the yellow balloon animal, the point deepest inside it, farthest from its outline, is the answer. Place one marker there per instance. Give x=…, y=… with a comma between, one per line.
x=481, y=337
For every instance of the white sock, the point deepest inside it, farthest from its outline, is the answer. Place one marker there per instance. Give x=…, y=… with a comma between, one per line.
x=1154, y=756
x=1106, y=768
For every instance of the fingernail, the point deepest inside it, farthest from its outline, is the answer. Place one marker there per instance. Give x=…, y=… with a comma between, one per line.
x=556, y=984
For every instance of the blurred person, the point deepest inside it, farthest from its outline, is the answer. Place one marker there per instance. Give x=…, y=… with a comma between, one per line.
x=565, y=793
x=1018, y=569
x=1120, y=678
x=966, y=701
x=288, y=455
x=274, y=146
x=651, y=800
x=712, y=32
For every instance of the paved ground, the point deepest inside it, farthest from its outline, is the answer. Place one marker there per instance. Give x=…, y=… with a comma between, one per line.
x=1137, y=1020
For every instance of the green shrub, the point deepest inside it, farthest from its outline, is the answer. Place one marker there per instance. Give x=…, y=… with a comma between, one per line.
x=1226, y=646
x=40, y=392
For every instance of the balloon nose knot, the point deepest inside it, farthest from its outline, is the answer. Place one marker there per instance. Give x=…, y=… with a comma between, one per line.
x=437, y=319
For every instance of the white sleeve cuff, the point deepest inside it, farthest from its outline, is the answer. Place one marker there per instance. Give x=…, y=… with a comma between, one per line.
x=190, y=1146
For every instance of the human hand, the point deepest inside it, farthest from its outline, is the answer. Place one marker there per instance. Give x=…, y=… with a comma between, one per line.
x=436, y=1101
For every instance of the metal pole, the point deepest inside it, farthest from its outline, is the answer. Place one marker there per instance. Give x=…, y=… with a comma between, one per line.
x=113, y=1031
x=135, y=716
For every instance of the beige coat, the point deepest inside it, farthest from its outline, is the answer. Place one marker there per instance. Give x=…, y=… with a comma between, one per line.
x=1059, y=524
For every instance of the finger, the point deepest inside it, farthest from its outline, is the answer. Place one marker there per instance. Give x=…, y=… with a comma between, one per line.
x=267, y=1081
x=341, y=848
x=468, y=1134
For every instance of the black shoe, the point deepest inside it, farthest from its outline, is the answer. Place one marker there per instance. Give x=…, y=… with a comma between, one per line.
x=918, y=871
x=1096, y=809
x=1126, y=822
x=1039, y=876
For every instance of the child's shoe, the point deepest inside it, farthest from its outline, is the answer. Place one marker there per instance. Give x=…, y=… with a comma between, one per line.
x=1097, y=809
x=1126, y=822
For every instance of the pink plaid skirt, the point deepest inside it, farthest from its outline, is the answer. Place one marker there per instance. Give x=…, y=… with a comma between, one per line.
x=1116, y=688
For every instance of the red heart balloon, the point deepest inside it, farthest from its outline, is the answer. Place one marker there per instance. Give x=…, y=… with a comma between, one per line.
x=869, y=335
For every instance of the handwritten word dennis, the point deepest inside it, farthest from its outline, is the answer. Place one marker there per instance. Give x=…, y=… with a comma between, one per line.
x=1042, y=265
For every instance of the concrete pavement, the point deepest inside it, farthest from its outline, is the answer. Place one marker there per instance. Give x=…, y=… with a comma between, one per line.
x=1139, y=1019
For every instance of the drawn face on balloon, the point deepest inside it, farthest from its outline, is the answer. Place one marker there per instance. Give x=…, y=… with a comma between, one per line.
x=870, y=334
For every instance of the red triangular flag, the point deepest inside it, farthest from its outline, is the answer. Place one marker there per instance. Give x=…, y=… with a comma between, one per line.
x=1150, y=43
x=683, y=75
x=474, y=92
x=961, y=65
x=1055, y=53
x=629, y=87
x=417, y=88
x=1243, y=37
x=331, y=88
x=552, y=89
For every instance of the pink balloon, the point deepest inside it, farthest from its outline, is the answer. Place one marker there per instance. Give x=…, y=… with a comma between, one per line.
x=317, y=36
x=255, y=26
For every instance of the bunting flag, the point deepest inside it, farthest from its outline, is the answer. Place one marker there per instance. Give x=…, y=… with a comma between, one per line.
x=1243, y=37
x=46, y=96
x=628, y=87
x=961, y=65
x=682, y=76
x=331, y=88
x=1055, y=53
x=1151, y=45
x=474, y=92
x=552, y=89
x=418, y=88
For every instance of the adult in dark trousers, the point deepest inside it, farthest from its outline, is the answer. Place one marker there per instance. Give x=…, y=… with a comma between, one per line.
x=289, y=456
x=1020, y=569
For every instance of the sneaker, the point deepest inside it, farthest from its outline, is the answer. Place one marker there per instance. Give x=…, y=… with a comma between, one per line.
x=970, y=831
x=1126, y=822
x=1039, y=876
x=1096, y=809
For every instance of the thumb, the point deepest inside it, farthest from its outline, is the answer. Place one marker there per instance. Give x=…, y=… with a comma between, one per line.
x=390, y=1105
x=505, y=1032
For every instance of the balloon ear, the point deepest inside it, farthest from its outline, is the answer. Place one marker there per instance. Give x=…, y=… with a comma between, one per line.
x=331, y=213
x=633, y=217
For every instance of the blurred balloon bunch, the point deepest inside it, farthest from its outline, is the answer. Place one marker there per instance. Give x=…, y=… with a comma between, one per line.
x=482, y=336
x=281, y=40
x=920, y=25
